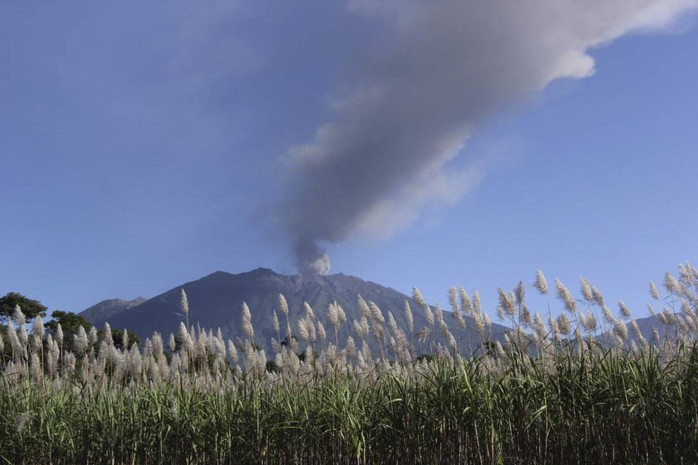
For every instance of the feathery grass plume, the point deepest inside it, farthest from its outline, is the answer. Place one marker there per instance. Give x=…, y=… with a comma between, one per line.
x=333, y=315
x=636, y=329
x=624, y=310
x=566, y=297
x=304, y=330
x=651, y=309
x=579, y=339
x=158, y=346
x=184, y=305
x=376, y=314
x=671, y=284
x=92, y=336
x=364, y=310
x=277, y=327
x=453, y=300
x=460, y=320
x=499, y=350
x=171, y=343
x=655, y=335
x=15, y=343
x=654, y=292
x=520, y=293
x=342, y=315
x=80, y=340
x=586, y=291
x=232, y=351
x=107, y=334
x=18, y=317
x=477, y=308
x=409, y=317
x=668, y=314
x=283, y=305
x=438, y=315
x=38, y=328
x=426, y=309
x=607, y=315
x=418, y=297
x=466, y=305
x=664, y=317
x=541, y=283
x=554, y=328
x=486, y=320
x=37, y=333
x=359, y=328
x=321, y=334
x=53, y=358
x=59, y=334
x=590, y=323
x=621, y=330
x=539, y=325
x=351, y=348
x=366, y=352
x=452, y=344
x=563, y=324
x=69, y=364
x=308, y=311
x=694, y=272
x=525, y=316
x=247, y=321
x=392, y=324
x=478, y=323
x=598, y=297
x=360, y=361
x=183, y=333
x=15, y=371
x=506, y=302
x=443, y=328
x=685, y=274
x=685, y=307
x=22, y=335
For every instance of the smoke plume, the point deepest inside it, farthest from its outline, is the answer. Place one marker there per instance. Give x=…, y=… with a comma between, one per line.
x=439, y=68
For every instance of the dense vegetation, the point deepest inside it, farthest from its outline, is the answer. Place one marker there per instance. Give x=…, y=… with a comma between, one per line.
x=579, y=388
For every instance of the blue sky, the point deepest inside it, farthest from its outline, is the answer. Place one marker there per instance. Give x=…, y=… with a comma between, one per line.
x=145, y=145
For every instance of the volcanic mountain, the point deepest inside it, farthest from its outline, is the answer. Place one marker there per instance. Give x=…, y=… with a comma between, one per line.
x=215, y=301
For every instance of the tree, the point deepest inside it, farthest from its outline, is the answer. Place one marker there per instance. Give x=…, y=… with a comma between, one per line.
x=30, y=308
x=70, y=322
x=70, y=325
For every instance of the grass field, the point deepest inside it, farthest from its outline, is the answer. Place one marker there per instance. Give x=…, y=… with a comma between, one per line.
x=585, y=387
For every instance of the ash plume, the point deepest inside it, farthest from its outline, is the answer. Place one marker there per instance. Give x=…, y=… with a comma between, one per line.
x=439, y=69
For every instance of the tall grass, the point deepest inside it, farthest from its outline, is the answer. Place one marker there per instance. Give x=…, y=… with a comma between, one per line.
x=581, y=388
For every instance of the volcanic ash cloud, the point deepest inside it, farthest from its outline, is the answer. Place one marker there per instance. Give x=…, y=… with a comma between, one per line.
x=442, y=67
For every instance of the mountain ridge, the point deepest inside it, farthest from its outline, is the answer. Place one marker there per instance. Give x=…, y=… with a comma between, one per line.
x=215, y=301
x=109, y=307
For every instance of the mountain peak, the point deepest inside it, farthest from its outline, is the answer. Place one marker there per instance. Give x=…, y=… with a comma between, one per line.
x=262, y=271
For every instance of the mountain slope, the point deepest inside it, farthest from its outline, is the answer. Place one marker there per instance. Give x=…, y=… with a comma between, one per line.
x=216, y=300
x=106, y=309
